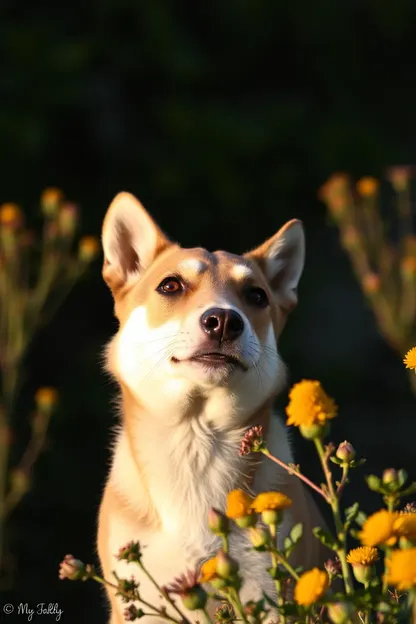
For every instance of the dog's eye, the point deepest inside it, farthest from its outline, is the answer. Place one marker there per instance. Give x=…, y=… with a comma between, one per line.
x=170, y=286
x=257, y=297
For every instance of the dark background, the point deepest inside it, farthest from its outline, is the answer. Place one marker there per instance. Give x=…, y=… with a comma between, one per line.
x=224, y=118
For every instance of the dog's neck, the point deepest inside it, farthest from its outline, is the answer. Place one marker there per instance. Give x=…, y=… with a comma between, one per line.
x=183, y=466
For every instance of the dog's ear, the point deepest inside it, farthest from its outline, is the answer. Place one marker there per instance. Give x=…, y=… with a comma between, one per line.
x=131, y=241
x=282, y=258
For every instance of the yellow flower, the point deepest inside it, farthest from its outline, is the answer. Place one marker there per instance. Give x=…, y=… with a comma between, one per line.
x=238, y=504
x=363, y=556
x=379, y=529
x=208, y=570
x=309, y=404
x=311, y=586
x=267, y=501
x=405, y=526
x=10, y=215
x=89, y=248
x=401, y=569
x=410, y=359
x=368, y=186
x=46, y=398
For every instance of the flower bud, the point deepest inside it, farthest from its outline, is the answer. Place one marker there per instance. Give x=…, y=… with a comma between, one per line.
x=218, y=522
x=363, y=573
x=259, y=537
x=226, y=566
x=46, y=399
x=389, y=476
x=132, y=613
x=50, y=201
x=371, y=283
x=341, y=612
x=345, y=452
x=11, y=217
x=72, y=569
x=89, y=248
x=246, y=521
x=312, y=432
x=194, y=598
x=271, y=517
x=68, y=218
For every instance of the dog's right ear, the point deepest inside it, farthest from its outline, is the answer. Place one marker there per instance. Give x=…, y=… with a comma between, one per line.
x=131, y=241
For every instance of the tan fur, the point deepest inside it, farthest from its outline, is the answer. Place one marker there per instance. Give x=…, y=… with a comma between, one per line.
x=176, y=453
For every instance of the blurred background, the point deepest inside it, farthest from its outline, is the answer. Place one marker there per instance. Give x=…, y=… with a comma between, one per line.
x=224, y=118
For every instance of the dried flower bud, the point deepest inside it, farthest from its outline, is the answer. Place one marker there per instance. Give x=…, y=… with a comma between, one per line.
x=131, y=552
x=132, y=613
x=218, y=522
x=46, y=399
x=11, y=217
x=50, y=201
x=89, y=248
x=345, y=452
x=333, y=567
x=224, y=614
x=68, y=219
x=73, y=569
x=252, y=441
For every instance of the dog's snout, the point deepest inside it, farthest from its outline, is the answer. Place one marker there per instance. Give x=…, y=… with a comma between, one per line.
x=222, y=324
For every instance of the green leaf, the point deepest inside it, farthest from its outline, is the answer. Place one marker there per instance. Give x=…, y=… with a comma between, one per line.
x=373, y=482
x=325, y=538
x=360, y=518
x=296, y=533
x=409, y=490
x=350, y=515
x=401, y=477
x=335, y=460
x=357, y=462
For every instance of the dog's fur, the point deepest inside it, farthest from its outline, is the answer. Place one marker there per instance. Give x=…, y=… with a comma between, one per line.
x=176, y=452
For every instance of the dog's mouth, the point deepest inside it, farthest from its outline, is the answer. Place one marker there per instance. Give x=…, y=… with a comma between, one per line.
x=215, y=359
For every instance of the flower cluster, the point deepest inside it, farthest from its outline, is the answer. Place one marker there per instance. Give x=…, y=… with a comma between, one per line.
x=386, y=539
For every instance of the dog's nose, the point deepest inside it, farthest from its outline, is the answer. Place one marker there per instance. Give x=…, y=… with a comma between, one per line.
x=222, y=324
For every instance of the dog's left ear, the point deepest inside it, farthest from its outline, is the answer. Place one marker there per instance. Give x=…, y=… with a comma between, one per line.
x=282, y=258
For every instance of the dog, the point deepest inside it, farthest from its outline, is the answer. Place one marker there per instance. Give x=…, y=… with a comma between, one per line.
x=197, y=364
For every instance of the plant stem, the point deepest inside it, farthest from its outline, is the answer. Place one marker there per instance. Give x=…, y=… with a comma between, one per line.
x=278, y=584
x=234, y=599
x=164, y=594
x=295, y=473
x=157, y=611
x=334, y=503
x=206, y=616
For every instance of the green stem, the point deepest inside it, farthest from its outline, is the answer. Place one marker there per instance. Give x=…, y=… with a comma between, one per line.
x=206, y=616
x=277, y=583
x=224, y=543
x=234, y=598
x=164, y=594
x=339, y=527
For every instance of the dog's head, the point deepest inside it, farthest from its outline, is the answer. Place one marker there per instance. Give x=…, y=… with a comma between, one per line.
x=195, y=324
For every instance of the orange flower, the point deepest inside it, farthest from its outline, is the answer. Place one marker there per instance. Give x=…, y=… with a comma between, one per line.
x=309, y=404
x=379, y=529
x=238, y=504
x=11, y=216
x=311, y=586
